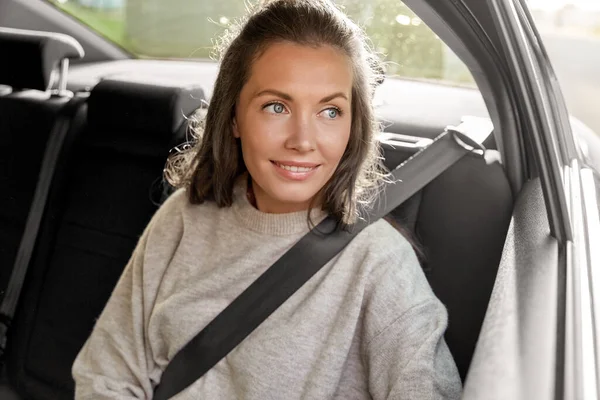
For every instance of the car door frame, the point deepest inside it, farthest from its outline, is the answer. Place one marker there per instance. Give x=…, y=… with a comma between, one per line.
x=570, y=198
x=542, y=304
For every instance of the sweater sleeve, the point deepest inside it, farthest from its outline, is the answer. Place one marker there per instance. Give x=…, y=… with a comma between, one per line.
x=116, y=360
x=405, y=352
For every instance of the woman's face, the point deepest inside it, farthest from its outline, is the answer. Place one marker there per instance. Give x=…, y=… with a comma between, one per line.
x=293, y=119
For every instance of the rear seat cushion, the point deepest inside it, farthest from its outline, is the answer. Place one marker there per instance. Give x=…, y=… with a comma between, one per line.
x=97, y=210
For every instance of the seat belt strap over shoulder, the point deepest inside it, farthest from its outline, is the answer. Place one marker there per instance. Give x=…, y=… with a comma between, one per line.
x=427, y=164
x=309, y=255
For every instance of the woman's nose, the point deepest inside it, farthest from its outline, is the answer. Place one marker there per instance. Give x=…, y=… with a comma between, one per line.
x=302, y=135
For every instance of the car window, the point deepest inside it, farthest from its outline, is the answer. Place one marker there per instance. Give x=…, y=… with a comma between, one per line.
x=570, y=30
x=186, y=29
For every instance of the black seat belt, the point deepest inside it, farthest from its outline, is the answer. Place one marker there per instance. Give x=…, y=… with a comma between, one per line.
x=308, y=256
x=53, y=149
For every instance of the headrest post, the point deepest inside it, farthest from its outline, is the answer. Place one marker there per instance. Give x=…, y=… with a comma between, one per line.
x=46, y=56
x=62, y=77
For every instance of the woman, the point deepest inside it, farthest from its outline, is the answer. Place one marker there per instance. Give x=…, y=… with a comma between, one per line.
x=289, y=134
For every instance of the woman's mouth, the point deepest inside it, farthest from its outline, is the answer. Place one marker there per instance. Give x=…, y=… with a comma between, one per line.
x=295, y=170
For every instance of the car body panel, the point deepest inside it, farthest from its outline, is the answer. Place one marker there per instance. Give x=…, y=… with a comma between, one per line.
x=515, y=356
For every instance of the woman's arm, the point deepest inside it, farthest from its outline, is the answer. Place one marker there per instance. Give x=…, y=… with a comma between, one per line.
x=113, y=363
x=404, y=348
x=116, y=360
x=410, y=359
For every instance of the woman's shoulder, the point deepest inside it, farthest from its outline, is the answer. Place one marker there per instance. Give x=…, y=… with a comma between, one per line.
x=395, y=280
x=388, y=258
x=176, y=212
x=383, y=239
x=176, y=201
x=171, y=208
x=178, y=204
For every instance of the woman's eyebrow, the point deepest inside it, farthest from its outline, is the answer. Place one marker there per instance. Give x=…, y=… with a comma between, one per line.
x=327, y=99
x=287, y=97
x=274, y=92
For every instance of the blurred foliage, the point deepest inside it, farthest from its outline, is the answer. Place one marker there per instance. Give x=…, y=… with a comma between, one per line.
x=109, y=23
x=179, y=28
x=410, y=48
x=187, y=29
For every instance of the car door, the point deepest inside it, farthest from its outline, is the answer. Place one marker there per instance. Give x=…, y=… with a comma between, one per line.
x=539, y=338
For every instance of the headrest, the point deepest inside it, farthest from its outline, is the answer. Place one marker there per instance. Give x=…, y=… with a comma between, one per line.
x=31, y=57
x=142, y=106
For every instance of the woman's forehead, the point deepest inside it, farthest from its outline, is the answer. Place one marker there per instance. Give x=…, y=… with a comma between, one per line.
x=298, y=68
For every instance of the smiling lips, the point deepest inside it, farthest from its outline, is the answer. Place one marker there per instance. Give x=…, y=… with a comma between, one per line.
x=295, y=170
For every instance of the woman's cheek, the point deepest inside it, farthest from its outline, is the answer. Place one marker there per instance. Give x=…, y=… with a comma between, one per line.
x=333, y=140
x=261, y=129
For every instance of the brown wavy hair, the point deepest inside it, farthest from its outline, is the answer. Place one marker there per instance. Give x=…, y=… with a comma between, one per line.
x=209, y=167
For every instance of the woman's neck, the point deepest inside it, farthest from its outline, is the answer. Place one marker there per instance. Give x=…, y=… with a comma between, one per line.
x=259, y=200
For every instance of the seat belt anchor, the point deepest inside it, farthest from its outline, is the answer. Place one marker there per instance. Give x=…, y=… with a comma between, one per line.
x=471, y=133
x=467, y=143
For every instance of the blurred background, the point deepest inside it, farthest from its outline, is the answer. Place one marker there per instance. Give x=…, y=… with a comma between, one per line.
x=184, y=29
x=571, y=33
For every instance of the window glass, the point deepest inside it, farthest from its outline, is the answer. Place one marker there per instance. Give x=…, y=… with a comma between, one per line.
x=570, y=30
x=185, y=29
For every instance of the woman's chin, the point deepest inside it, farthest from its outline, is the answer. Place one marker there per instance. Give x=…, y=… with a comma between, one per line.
x=286, y=203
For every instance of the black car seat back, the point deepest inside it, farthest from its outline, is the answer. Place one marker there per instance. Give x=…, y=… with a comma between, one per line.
x=459, y=224
x=107, y=192
x=28, y=114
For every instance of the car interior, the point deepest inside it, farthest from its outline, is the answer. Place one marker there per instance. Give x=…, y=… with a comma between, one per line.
x=121, y=120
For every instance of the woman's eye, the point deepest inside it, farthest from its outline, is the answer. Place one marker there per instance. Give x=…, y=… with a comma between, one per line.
x=332, y=113
x=275, y=108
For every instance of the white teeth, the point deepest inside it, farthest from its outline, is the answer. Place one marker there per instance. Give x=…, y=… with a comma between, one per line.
x=293, y=168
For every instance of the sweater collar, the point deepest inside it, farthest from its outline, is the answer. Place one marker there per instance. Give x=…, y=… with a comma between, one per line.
x=270, y=224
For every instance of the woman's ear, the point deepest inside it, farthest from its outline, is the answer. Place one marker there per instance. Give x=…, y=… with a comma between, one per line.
x=236, y=132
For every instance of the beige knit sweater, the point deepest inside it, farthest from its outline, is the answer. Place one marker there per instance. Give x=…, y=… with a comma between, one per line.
x=366, y=326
